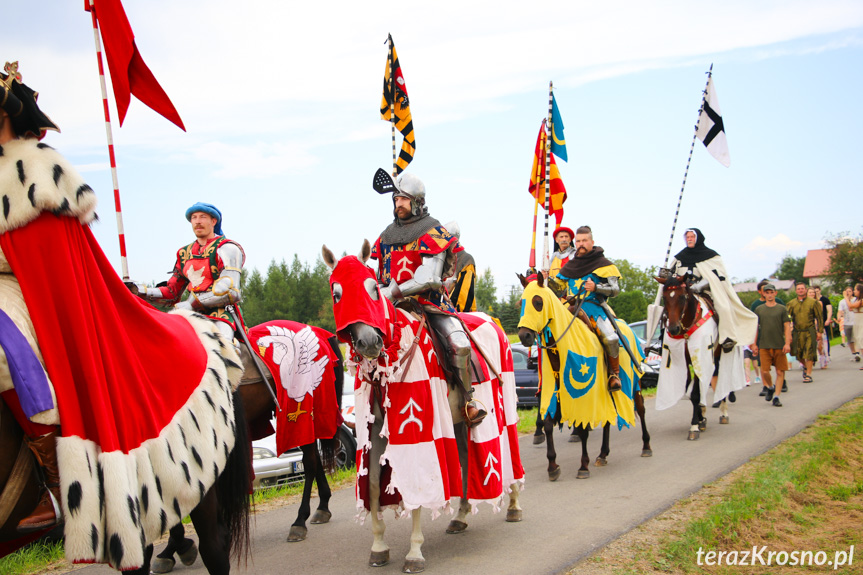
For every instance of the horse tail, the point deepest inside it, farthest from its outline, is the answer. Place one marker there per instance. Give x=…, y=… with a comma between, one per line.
x=234, y=487
x=338, y=368
x=328, y=446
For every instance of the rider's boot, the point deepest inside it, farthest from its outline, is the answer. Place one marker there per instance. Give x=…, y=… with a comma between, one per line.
x=472, y=413
x=48, y=512
x=614, y=373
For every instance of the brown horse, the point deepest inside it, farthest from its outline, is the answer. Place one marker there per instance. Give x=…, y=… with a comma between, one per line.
x=19, y=491
x=690, y=318
x=538, y=302
x=259, y=410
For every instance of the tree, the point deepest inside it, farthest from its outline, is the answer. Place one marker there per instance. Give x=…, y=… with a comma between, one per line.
x=509, y=310
x=633, y=278
x=791, y=268
x=630, y=306
x=484, y=291
x=846, y=259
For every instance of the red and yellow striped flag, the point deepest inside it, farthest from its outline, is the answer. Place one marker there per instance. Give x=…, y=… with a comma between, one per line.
x=537, y=179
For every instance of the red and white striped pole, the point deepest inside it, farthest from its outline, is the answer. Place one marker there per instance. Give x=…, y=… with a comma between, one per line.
x=124, y=264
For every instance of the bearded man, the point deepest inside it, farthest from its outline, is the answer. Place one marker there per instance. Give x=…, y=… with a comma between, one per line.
x=592, y=273
x=415, y=255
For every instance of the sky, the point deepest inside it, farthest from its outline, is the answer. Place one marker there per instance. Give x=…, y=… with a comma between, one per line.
x=281, y=104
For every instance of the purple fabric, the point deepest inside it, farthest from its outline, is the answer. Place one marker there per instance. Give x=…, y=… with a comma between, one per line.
x=28, y=376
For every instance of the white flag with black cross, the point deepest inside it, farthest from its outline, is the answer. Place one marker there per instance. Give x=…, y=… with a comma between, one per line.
x=711, y=130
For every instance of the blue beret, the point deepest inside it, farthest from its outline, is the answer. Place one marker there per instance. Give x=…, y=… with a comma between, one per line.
x=210, y=210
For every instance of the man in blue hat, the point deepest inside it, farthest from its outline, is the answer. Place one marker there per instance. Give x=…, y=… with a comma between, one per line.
x=210, y=268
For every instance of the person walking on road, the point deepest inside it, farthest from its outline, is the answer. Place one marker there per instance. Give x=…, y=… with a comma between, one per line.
x=773, y=343
x=805, y=316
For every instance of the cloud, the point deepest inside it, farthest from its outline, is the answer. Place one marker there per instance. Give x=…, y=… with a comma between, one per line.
x=257, y=160
x=779, y=243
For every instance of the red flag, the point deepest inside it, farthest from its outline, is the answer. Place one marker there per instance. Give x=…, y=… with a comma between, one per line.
x=557, y=192
x=129, y=74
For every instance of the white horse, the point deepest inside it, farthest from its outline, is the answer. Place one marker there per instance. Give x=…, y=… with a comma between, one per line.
x=413, y=448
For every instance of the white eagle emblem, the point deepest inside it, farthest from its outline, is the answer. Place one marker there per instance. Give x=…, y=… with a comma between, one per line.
x=295, y=354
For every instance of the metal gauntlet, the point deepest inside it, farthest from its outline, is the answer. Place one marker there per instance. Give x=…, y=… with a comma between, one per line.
x=610, y=288
x=427, y=277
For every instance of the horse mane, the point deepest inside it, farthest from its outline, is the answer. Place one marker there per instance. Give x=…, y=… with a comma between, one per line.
x=674, y=281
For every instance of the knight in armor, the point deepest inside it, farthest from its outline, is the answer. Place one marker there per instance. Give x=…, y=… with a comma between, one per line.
x=462, y=283
x=22, y=125
x=705, y=273
x=415, y=255
x=564, y=250
x=210, y=268
x=591, y=274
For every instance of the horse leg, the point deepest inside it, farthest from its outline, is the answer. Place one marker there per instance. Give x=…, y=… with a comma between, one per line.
x=177, y=543
x=213, y=537
x=298, y=529
x=538, y=435
x=513, y=511
x=646, y=451
x=414, y=560
x=602, y=460
x=459, y=523
x=584, y=470
x=380, y=554
x=550, y=453
x=695, y=398
x=322, y=513
x=723, y=412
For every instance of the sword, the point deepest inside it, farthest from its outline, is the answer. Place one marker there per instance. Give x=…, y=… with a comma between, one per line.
x=636, y=365
x=255, y=359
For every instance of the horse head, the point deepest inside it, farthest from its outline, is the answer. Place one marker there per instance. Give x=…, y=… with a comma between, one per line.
x=362, y=315
x=537, y=308
x=677, y=300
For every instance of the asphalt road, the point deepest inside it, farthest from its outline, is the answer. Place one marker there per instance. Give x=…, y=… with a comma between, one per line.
x=566, y=520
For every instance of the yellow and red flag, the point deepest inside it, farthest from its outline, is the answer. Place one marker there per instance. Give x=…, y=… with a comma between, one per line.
x=396, y=93
x=537, y=179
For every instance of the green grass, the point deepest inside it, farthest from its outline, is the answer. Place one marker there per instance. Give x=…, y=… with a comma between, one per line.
x=337, y=480
x=33, y=558
x=796, y=465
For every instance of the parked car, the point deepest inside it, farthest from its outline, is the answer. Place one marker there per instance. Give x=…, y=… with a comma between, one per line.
x=526, y=374
x=653, y=355
x=272, y=471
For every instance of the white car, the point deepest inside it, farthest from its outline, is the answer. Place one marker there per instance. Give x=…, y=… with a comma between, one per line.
x=272, y=471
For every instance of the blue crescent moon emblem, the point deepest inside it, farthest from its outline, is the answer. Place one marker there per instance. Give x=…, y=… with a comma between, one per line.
x=579, y=374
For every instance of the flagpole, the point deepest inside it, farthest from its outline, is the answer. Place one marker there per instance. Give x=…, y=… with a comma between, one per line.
x=546, y=264
x=686, y=172
x=392, y=103
x=124, y=264
x=531, y=262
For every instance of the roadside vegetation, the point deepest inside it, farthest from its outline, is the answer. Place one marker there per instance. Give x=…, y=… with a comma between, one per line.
x=804, y=495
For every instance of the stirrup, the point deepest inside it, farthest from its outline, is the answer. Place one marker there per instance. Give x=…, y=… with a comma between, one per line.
x=478, y=416
x=614, y=383
x=728, y=344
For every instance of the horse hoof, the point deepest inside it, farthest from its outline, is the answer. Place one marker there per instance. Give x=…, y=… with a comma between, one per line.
x=455, y=527
x=160, y=565
x=513, y=515
x=190, y=555
x=379, y=558
x=554, y=475
x=538, y=439
x=702, y=425
x=297, y=533
x=647, y=453
x=694, y=435
x=321, y=516
x=723, y=419
x=414, y=566
x=601, y=462
x=574, y=439
x=583, y=474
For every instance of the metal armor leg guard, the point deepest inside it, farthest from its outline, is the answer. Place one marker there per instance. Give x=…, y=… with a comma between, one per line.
x=228, y=333
x=611, y=343
x=458, y=345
